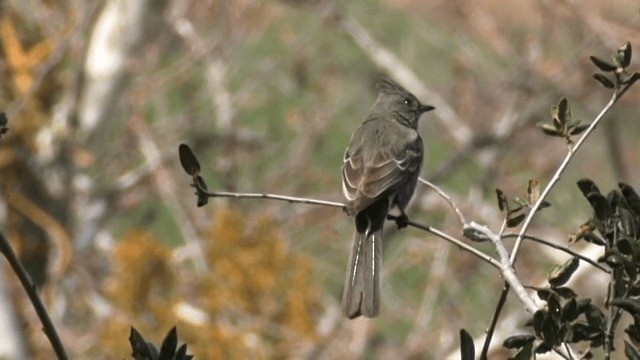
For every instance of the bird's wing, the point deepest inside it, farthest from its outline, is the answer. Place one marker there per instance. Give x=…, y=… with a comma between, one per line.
x=364, y=180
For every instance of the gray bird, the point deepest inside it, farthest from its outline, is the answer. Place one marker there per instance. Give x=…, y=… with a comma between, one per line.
x=380, y=170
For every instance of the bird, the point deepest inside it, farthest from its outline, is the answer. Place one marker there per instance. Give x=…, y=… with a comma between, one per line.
x=380, y=170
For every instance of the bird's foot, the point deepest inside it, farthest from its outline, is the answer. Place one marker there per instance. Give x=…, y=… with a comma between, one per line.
x=402, y=221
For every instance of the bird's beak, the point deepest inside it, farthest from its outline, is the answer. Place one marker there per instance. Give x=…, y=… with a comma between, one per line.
x=425, y=108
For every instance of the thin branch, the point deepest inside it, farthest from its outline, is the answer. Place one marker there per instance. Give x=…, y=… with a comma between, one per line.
x=561, y=248
x=463, y=246
x=30, y=288
x=446, y=198
x=478, y=232
x=290, y=199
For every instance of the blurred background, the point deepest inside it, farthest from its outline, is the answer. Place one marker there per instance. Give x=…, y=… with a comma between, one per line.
x=99, y=95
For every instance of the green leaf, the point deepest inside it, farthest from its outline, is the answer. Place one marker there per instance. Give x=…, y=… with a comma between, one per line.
x=603, y=64
x=188, y=160
x=604, y=81
x=561, y=274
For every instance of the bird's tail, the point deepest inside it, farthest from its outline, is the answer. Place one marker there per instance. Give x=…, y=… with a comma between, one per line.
x=362, y=284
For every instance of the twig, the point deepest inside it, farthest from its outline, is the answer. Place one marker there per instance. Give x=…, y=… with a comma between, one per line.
x=290, y=199
x=493, y=262
x=561, y=248
x=494, y=321
x=300, y=200
x=30, y=288
x=446, y=198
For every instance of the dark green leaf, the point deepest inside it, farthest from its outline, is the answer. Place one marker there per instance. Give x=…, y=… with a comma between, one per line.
x=613, y=258
x=570, y=311
x=624, y=246
x=538, y=320
x=544, y=293
x=602, y=64
x=560, y=275
x=594, y=316
x=564, y=112
x=633, y=332
x=604, y=81
x=525, y=353
x=632, y=198
x=203, y=198
x=578, y=129
x=188, y=160
x=169, y=345
x=565, y=292
x=544, y=204
x=549, y=130
x=550, y=332
x=543, y=348
x=600, y=206
x=467, y=349
x=631, y=79
x=503, y=204
x=518, y=341
x=515, y=221
x=141, y=349
x=632, y=306
x=587, y=186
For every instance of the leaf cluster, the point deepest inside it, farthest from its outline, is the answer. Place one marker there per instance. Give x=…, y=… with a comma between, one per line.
x=615, y=226
x=513, y=213
x=615, y=74
x=145, y=350
x=562, y=123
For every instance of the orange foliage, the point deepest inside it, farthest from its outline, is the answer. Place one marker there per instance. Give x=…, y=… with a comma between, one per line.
x=258, y=298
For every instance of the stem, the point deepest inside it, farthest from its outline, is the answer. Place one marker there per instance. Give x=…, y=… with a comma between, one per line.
x=30, y=288
x=563, y=166
x=494, y=321
x=446, y=198
x=561, y=248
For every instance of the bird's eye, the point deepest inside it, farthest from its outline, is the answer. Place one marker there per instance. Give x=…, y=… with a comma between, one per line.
x=408, y=101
